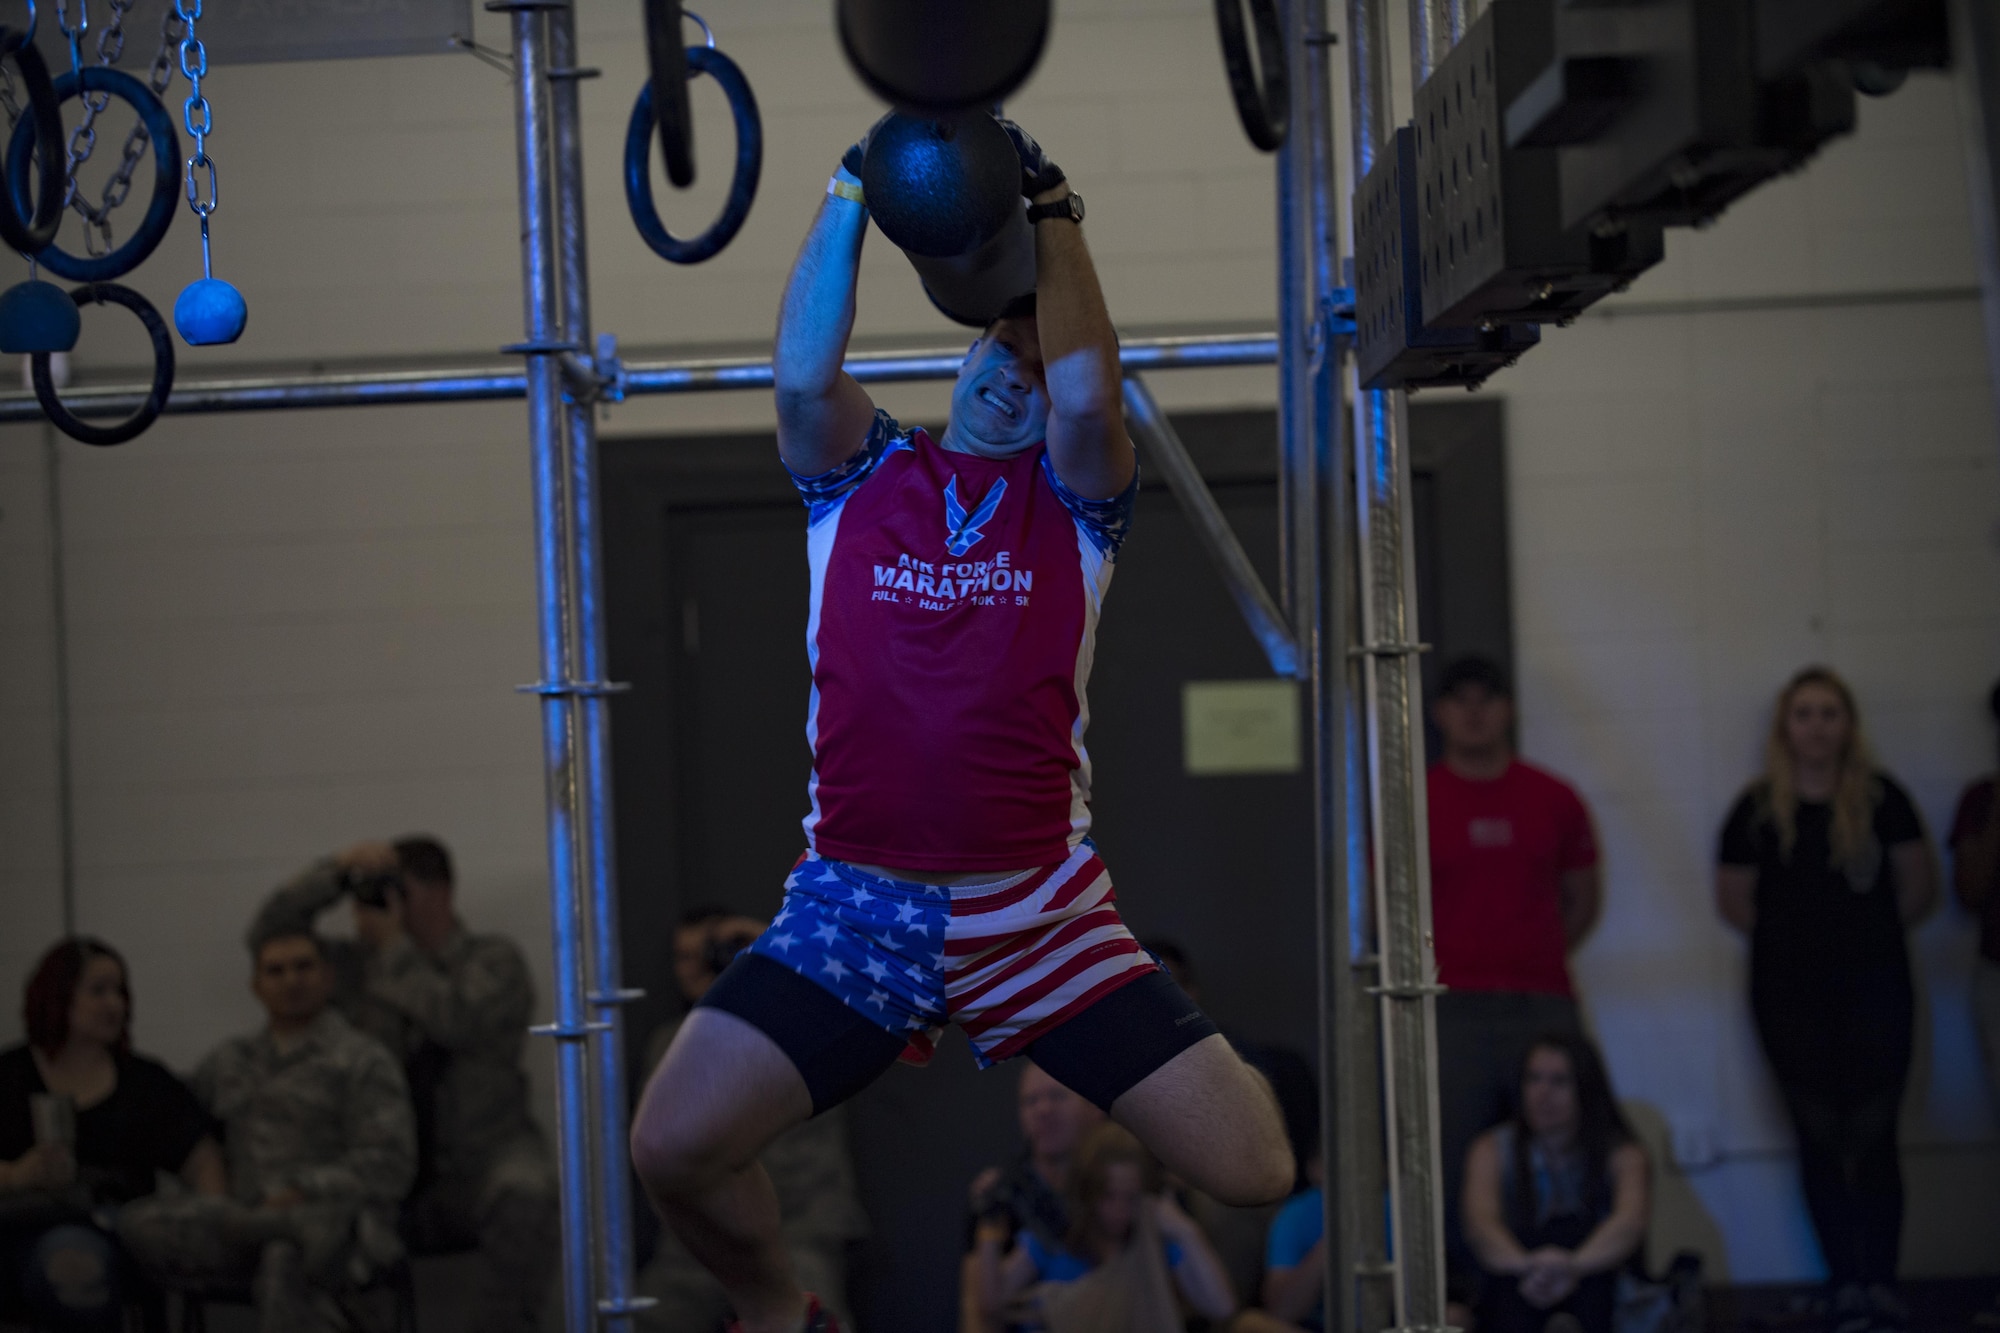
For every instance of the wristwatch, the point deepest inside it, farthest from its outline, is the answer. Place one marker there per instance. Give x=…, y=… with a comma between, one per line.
x=1069, y=208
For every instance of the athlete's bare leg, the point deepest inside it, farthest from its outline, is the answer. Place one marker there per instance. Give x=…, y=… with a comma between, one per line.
x=723, y=1092
x=1214, y=1122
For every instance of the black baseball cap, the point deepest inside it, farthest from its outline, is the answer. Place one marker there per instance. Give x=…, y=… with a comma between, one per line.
x=1474, y=670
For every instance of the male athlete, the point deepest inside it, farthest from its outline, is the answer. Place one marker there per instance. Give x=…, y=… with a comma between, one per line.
x=947, y=877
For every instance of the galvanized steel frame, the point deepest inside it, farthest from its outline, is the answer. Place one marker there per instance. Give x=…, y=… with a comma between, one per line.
x=1342, y=621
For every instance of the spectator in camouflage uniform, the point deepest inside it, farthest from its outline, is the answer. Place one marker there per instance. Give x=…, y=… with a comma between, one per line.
x=810, y=1166
x=455, y=1007
x=321, y=1147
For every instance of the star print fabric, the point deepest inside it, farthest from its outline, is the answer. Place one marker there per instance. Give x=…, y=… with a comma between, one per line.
x=1007, y=962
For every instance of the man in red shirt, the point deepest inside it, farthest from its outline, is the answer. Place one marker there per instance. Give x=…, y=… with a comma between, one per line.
x=1515, y=886
x=1975, y=856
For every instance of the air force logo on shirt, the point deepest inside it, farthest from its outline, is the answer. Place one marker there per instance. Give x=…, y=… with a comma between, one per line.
x=962, y=530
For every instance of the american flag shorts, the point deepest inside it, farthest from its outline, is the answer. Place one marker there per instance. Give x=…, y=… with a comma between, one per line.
x=1008, y=963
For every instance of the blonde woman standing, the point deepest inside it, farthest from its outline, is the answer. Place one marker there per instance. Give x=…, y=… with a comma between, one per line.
x=1824, y=864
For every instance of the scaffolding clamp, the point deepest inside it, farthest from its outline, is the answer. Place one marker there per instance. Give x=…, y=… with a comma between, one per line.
x=1408, y=991
x=570, y=1032
x=1388, y=648
x=598, y=379
x=576, y=689
x=630, y=1305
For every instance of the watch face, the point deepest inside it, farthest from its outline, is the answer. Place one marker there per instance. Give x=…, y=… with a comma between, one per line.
x=1070, y=206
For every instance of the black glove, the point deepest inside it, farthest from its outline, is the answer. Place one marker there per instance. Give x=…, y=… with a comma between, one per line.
x=1037, y=172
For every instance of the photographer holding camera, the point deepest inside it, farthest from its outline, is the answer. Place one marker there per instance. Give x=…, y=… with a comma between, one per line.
x=454, y=1008
x=811, y=1166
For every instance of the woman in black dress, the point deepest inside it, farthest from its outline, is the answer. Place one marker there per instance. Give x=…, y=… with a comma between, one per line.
x=1824, y=864
x=127, y=1119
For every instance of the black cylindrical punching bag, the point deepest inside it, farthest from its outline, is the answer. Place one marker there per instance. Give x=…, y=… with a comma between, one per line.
x=943, y=56
x=948, y=194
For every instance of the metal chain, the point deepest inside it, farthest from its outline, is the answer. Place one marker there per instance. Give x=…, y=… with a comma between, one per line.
x=10, y=97
x=138, y=141
x=83, y=139
x=74, y=36
x=200, y=122
x=194, y=64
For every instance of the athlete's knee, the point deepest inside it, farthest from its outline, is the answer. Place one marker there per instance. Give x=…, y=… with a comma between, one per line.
x=670, y=1154
x=1261, y=1170
x=1273, y=1175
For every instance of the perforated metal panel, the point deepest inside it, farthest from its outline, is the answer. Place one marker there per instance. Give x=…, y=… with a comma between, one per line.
x=1495, y=247
x=1700, y=129
x=1379, y=330
x=1394, y=350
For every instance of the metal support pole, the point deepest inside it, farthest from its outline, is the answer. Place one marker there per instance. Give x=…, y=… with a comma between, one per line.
x=554, y=556
x=1293, y=177
x=1457, y=14
x=1430, y=34
x=1165, y=450
x=1406, y=972
x=59, y=672
x=606, y=993
x=469, y=384
x=1358, y=1299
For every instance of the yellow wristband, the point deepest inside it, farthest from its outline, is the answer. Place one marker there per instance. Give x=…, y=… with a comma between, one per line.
x=836, y=186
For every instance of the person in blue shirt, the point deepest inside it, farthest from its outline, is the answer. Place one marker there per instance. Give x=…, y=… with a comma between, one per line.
x=1131, y=1259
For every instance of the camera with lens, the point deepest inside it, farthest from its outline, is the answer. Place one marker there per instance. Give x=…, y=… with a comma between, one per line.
x=370, y=885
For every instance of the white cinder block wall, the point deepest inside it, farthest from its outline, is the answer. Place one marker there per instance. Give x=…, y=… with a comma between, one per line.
x=286, y=632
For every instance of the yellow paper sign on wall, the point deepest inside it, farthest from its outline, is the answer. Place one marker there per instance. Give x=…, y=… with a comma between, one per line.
x=1240, y=726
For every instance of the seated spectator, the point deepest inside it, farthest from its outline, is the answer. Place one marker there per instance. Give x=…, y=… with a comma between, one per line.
x=1515, y=888
x=86, y=1126
x=811, y=1167
x=321, y=1148
x=1027, y=1196
x=1131, y=1256
x=453, y=1005
x=1975, y=868
x=1556, y=1199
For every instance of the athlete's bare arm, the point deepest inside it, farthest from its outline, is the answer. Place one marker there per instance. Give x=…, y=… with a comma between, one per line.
x=1087, y=440
x=823, y=413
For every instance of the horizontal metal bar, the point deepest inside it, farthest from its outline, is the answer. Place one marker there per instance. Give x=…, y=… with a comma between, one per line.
x=1165, y=449
x=481, y=384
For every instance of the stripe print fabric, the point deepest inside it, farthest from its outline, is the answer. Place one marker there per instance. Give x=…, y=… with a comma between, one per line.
x=1006, y=964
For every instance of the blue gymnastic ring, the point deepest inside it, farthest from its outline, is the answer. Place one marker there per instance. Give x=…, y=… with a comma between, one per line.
x=742, y=186
x=75, y=427
x=166, y=175
x=20, y=227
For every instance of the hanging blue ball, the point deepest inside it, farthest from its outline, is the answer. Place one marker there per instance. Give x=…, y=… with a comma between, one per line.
x=38, y=317
x=210, y=312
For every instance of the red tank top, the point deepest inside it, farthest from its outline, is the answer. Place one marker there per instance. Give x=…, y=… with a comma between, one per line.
x=953, y=615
